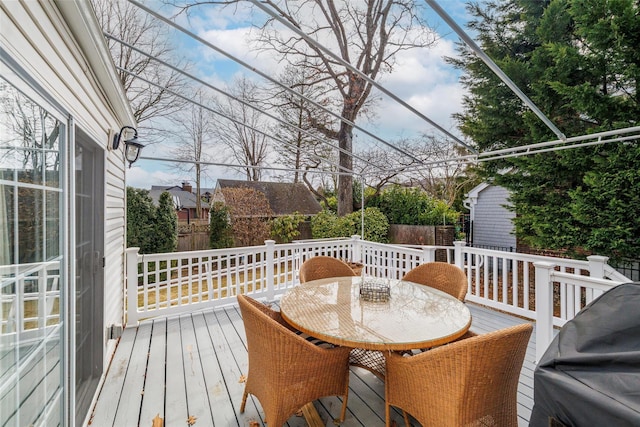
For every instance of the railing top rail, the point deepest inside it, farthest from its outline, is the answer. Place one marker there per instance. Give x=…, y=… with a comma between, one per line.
x=574, y=279
x=527, y=257
x=326, y=239
x=421, y=247
x=613, y=274
x=203, y=253
x=403, y=248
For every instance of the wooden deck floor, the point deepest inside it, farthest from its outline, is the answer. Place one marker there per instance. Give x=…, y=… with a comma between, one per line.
x=190, y=366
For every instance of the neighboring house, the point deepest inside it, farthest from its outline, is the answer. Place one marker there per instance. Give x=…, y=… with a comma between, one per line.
x=491, y=222
x=62, y=211
x=284, y=198
x=184, y=199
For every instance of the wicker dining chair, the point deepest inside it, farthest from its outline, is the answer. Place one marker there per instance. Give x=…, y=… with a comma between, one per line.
x=320, y=267
x=442, y=276
x=285, y=371
x=471, y=382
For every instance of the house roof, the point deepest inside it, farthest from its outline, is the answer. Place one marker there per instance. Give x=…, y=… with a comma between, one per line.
x=181, y=198
x=284, y=197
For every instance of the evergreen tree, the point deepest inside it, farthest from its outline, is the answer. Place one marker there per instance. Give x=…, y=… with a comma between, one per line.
x=578, y=61
x=140, y=216
x=220, y=233
x=166, y=225
x=152, y=229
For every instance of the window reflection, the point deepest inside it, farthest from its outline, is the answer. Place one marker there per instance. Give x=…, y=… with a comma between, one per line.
x=30, y=259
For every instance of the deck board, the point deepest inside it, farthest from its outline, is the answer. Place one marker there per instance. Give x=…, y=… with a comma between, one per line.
x=197, y=359
x=192, y=365
x=154, y=386
x=129, y=408
x=111, y=391
x=175, y=402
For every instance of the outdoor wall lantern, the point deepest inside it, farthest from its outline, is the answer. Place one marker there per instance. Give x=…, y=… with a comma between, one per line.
x=132, y=147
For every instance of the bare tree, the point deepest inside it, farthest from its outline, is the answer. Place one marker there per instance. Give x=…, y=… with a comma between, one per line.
x=365, y=34
x=195, y=131
x=125, y=22
x=246, y=137
x=442, y=179
x=305, y=146
x=390, y=166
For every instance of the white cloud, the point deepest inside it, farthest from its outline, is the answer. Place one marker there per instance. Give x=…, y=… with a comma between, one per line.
x=421, y=78
x=424, y=81
x=238, y=43
x=142, y=175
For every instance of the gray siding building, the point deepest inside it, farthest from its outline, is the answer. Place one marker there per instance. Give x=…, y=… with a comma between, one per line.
x=491, y=221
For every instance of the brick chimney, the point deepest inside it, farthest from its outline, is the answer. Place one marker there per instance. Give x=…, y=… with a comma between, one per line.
x=186, y=186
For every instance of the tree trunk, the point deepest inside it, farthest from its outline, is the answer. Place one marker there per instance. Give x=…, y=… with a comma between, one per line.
x=198, y=197
x=345, y=182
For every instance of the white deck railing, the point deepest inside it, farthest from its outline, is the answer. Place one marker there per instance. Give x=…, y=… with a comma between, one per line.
x=173, y=283
x=568, y=293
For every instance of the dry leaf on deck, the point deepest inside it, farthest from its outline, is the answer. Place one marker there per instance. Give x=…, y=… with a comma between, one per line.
x=243, y=379
x=254, y=424
x=191, y=420
x=157, y=421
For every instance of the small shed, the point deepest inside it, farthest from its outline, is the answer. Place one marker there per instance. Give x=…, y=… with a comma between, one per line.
x=491, y=219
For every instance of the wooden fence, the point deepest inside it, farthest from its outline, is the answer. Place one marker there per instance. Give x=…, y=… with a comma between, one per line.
x=193, y=236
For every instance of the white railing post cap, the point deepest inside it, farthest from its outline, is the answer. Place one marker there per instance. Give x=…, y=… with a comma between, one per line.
x=544, y=264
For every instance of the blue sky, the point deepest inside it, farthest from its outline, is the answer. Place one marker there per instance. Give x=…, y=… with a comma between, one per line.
x=420, y=78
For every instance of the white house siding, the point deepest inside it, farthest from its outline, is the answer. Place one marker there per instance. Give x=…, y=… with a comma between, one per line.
x=60, y=46
x=492, y=221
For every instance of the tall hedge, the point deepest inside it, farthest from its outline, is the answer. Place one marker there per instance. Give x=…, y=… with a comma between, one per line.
x=413, y=206
x=327, y=224
x=151, y=229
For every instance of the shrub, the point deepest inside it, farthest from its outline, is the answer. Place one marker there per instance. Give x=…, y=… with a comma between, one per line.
x=328, y=225
x=285, y=228
x=376, y=225
x=249, y=211
x=440, y=214
x=219, y=227
x=325, y=225
x=412, y=206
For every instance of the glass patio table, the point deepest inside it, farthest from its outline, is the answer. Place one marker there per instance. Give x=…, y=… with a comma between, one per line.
x=414, y=316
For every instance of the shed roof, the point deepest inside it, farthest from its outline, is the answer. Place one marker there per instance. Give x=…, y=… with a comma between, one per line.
x=284, y=197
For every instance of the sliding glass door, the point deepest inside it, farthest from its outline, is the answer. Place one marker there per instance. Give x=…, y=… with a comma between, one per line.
x=89, y=296
x=32, y=260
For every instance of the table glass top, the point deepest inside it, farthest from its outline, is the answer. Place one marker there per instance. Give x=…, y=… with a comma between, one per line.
x=415, y=316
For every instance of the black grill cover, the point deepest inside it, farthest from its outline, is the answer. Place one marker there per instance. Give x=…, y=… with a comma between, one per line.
x=590, y=374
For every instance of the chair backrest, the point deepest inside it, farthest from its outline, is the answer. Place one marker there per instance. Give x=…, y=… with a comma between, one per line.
x=286, y=371
x=320, y=267
x=442, y=276
x=472, y=381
